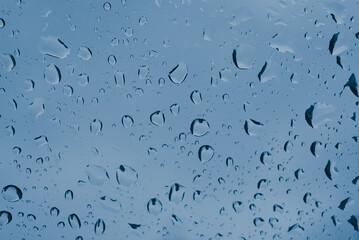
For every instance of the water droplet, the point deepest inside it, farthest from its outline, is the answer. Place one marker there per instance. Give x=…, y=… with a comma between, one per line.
x=100, y=227
x=243, y=56
x=179, y=73
x=107, y=6
x=319, y=113
x=29, y=85
x=354, y=222
x=237, y=206
x=112, y=60
x=83, y=79
x=142, y=21
x=345, y=203
x=8, y=61
x=54, y=211
x=266, y=158
x=296, y=229
x=154, y=206
x=199, y=127
x=11, y=193
x=52, y=74
x=5, y=218
x=96, y=126
x=175, y=109
x=205, y=153
x=229, y=162
x=252, y=127
x=143, y=72
x=352, y=84
x=176, y=193
x=69, y=195
x=84, y=53
x=127, y=121
x=332, y=42
x=120, y=79
x=157, y=118
x=68, y=90
x=74, y=221
x=97, y=175
x=126, y=175
x=2, y=23
x=54, y=47
x=258, y=222
x=196, y=97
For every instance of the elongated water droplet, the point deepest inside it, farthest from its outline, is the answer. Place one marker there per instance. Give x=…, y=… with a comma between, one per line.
x=52, y=74
x=127, y=121
x=5, y=218
x=74, y=221
x=100, y=227
x=126, y=175
x=97, y=175
x=54, y=47
x=8, y=61
x=205, y=153
x=176, y=193
x=154, y=206
x=96, y=126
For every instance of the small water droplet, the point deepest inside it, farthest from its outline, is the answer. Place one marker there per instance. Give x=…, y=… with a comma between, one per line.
x=205, y=153
x=96, y=126
x=5, y=218
x=127, y=121
x=154, y=206
x=196, y=97
x=179, y=73
x=107, y=6
x=84, y=53
x=52, y=74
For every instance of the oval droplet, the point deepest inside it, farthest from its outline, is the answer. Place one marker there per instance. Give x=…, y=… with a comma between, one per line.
x=96, y=126
x=205, y=153
x=5, y=218
x=100, y=227
x=74, y=221
x=126, y=175
x=127, y=121
x=199, y=127
x=157, y=118
x=52, y=74
x=154, y=206
x=97, y=175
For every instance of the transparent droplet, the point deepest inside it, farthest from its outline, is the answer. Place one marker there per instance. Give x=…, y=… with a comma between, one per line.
x=243, y=56
x=258, y=222
x=84, y=53
x=69, y=195
x=175, y=109
x=96, y=126
x=127, y=121
x=52, y=74
x=5, y=218
x=97, y=175
x=100, y=227
x=157, y=118
x=74, y=221
x=196, y=97
x=2, y=23
x=68, y=90
x=143, y=72
x=107, y=6
x=176, y=194
x=237, y=206
x=154, y=206
x=179, y=73
x=54, y=47
x=54, y=211
x=142, y=21
x=8, y=61
x=112, y=60
x=83, y=79
x=205, y=153
x=11, y=193
x=126, y=175
x=199, y=127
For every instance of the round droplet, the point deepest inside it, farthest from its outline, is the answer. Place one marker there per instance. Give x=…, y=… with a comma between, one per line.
x=52, y=74
x=127, y=121
x=107, y=6
x=157, y=118
x=179, y=73
x=97, y=175
x=84, y=53
x=11, y=193
x=68, y=90
x=5, y=218
x=100, y=227
x=205, y=153
x=2, y=23
x=154, y=206
x=126, y=175
x=199, y=127
x=112, y=60
x=196, y=97
x=96, y=126
x=74, y=221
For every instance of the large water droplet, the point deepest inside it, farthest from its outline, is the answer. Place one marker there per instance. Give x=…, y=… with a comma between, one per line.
x=54, y=47
x=179, y=73
x=319, y=113
x=97, y=175
x=205, y=153
x=74, y=221
x=5, y=218
x=154, y=206
x=84, y=53
x=126, y=175
x=11, y=193
x=199, y=127
x=252, y=127
x=243, y=56
x=52, y=74
x=100, y=227
x=176, y=193
x=96, y=126
x=127, y=121
x=2, y=23
x=157, y=118
x=8, y=61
